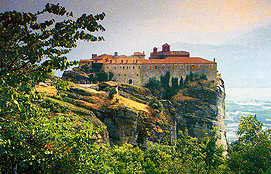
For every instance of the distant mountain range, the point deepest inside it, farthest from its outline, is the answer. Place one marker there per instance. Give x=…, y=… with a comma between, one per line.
x=243, y=62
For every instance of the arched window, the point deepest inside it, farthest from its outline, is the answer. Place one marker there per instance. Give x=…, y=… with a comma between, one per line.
x=156, y=67
x=187, y=67
x=175, y=66
x=163, y=67
x=181, y=66
x=130, y=81
x=149, y=67
x=169, y=67
x=200, y=67
x=210, y=66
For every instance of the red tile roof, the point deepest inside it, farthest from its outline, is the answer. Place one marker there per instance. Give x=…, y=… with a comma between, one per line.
x=108, y=59
x=139, y=53
x=184, y=60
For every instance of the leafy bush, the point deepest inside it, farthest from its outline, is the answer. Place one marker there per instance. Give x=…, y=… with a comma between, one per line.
x=54, y=107
x=153, y=83
x=112, y=92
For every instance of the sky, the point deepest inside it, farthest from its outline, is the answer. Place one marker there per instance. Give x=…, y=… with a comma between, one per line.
x=140, y=25
x=143, y=24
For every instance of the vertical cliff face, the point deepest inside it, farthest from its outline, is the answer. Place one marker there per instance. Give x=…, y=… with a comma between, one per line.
x=137, y=116
x=201, y=107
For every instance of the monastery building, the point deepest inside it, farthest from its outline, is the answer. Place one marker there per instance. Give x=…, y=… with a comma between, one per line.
x=137, y=70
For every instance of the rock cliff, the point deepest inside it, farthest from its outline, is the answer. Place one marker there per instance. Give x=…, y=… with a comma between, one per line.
x=136, y=115
x=201, y=107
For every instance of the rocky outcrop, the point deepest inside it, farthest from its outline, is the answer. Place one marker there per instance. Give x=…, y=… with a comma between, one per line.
x=78, y=77
x=199, y=108
x=122, y=125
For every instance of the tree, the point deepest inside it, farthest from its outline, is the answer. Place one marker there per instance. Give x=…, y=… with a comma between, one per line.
x=251, y=152
x=153, y=83
x=181, y=83
x=110, y=76
x=101, y=76
x=29, y=50
x=174, y=82
x=112, y=92
x=165, y=79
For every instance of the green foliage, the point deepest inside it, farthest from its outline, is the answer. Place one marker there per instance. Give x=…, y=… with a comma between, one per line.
x=101, y=76
x=62, y=86
x=54, y=107
x=251, y=152
x=174, y=82
x=86, y=69
x=153, y=83
x=110, y=76
x=165, y=80
x=92, y=78
x=30, y=141
x=112, y=92
x=204, y=77
x=96, y=67
x=156, y=104
x=181, y=86
x=169, y=92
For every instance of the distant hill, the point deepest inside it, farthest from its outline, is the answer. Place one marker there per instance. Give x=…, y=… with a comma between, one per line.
x=243, y=62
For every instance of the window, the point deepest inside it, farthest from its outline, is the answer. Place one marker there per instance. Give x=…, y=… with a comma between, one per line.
x=169, y=67
x=200, y=67
x=175, y=66
x=110, y=61
x=163, y=67
x=187, y=67
x=181, y=66
x=124, y=74
x=136, y=74
x=133, y=67
x=119, y=74
x=192, y=67
x=156, y=67
x=127, y=67
x=114, y=67
x=149, y=67
x=138, y=67
x=210, y=66
x=123, y=67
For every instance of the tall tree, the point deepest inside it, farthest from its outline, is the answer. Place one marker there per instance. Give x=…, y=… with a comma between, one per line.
x=30, y=49
x=251, y=152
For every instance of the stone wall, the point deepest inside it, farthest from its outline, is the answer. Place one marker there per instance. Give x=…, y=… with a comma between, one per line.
x=177, y=70
x=125, y=73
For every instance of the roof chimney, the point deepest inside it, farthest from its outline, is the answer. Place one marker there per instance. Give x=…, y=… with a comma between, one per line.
x=154, y=50
x=94, y=55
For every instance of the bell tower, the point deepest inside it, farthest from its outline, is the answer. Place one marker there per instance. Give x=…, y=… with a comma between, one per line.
x=165, y=47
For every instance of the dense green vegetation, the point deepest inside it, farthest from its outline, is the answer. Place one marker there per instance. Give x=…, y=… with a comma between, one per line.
x=164, y=84
x=41, y=134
